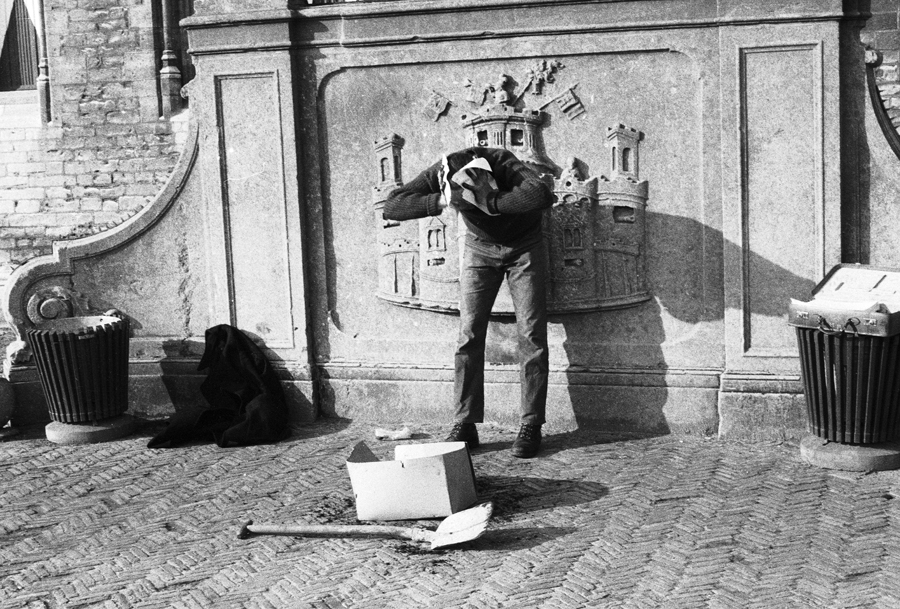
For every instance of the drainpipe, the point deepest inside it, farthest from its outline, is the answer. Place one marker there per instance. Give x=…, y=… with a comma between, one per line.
x=43, y=78
x=169, y=74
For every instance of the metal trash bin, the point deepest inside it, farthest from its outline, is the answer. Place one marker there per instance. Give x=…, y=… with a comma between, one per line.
x=849, y=341
x=83, y=366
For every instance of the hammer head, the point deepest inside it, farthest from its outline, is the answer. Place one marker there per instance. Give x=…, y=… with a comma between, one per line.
x=245, y=530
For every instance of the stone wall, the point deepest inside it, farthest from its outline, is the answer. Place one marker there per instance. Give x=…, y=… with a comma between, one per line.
x=705, y=82
x=106, y=153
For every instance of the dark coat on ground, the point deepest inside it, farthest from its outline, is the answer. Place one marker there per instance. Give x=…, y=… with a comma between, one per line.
x=245, y=401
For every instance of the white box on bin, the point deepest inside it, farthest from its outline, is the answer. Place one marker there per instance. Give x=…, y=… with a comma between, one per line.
x=423, y=481
x=853, y=298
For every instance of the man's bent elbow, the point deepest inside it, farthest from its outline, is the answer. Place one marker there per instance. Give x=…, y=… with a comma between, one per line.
x=545, y=195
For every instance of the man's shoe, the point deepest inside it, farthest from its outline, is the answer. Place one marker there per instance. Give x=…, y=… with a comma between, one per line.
x=464, y=432
x=528, y=441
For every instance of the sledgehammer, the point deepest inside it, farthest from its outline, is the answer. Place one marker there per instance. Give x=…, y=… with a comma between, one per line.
x=454, y=529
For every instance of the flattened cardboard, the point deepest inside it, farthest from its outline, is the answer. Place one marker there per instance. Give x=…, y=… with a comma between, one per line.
x=423, y=481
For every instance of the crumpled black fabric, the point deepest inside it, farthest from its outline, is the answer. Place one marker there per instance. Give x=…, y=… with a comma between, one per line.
x=245, y=401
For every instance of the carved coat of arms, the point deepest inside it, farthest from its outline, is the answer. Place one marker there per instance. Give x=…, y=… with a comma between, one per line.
x=595, y=231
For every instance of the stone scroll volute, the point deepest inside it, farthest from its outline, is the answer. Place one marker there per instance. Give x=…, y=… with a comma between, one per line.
x=45, y=288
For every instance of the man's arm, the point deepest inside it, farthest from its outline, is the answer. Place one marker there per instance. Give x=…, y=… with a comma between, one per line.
x=419, y=198
x=522, y=190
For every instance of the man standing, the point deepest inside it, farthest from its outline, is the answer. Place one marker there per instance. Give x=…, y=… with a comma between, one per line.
x=501, y=201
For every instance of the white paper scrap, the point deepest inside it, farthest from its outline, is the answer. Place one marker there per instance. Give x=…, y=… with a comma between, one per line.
x=391, y=434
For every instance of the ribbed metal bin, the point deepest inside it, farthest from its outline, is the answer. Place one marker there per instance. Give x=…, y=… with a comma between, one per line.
x=849, y=340
x=83, y=366
x=852, y=385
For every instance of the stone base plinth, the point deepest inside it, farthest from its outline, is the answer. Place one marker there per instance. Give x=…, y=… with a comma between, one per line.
x=850, y=457
x=91, y=433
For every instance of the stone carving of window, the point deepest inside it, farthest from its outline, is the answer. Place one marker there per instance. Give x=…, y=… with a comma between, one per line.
x=437, y=240
x=572, y=238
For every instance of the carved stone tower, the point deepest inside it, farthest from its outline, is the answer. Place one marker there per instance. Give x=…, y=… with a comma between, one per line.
x=519, y=131
x=623, y=144
x=620, y=228
x=388, y=156
x=398, y=262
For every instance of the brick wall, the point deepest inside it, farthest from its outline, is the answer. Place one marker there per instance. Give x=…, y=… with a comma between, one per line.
x=882, y=33
x=107, y=152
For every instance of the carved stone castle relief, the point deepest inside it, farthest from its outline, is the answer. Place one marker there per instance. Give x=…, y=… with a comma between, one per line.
x=595, y=231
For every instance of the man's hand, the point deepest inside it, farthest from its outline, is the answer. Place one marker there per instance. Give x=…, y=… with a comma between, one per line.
x=478, y=189
x=444, y=183
x=480, y=186
x=456, y=198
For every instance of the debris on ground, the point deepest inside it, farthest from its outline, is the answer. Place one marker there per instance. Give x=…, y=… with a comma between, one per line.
x=390, y=434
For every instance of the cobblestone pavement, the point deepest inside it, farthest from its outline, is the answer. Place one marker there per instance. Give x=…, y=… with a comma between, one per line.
x=596, y=521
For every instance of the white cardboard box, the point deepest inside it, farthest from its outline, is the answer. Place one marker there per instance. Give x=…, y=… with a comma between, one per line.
x=423, y=481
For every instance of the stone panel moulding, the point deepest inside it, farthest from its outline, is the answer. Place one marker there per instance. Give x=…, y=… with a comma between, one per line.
x=254, y=213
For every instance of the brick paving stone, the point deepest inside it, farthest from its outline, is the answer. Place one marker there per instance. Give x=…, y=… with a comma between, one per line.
x=596, y=521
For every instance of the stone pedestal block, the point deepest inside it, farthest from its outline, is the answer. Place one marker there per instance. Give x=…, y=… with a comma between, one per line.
x=91, y=433
x=850, y=457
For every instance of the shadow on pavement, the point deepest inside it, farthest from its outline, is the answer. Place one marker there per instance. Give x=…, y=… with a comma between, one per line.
x=322, y=426
x=514, y=496
x=557, y=442
x=518, y=538
x=319, y=428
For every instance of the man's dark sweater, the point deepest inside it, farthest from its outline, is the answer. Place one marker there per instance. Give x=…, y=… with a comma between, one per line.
x=521, y=198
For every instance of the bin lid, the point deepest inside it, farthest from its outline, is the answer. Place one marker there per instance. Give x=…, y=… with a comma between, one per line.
x=861, y=283
x=77, y=325
x=854, y=297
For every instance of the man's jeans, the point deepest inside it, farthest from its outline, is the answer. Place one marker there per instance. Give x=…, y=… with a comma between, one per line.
x=525, y=268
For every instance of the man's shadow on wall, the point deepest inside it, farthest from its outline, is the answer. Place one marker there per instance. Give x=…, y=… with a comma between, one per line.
x=600, y=376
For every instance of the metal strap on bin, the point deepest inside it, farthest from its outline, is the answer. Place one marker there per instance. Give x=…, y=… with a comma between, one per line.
x=826, y=327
